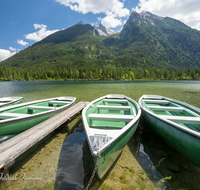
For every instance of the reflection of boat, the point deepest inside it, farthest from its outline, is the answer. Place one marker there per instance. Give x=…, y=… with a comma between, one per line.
x=9, y=101
x=5, y=138
x=176, y=122
x=109, y=122
x=17, y=118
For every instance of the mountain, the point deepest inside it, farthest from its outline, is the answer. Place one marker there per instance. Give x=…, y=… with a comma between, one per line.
x=160, y=41
x=103, y=31
x=146, y=40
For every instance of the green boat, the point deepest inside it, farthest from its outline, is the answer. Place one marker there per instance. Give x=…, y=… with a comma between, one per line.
x=109, y=123
x=6, y=101
x=18, y=118
x=177, y=123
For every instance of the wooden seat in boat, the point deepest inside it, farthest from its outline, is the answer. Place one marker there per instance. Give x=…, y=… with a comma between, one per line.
x=41, y=108
x=115, y=100
x=156, y=101
x=109, y=117
x=183, y=119
x=113, y=107
x=165, y=108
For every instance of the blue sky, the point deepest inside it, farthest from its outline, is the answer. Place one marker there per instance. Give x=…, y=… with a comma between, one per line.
x=24, y=22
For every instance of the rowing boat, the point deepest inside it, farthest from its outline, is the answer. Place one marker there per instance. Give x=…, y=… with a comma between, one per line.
x=177, y=123
x=18, y=118
x=109, y=123
x=9, y=101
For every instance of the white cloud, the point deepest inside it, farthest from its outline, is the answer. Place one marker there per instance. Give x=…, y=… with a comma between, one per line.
x=111, y=21
x=12, y=48
x=114, y=9
x=23, y=43
x=124, y=22
x=40, y=34
x=4, y=54
x=187, y=11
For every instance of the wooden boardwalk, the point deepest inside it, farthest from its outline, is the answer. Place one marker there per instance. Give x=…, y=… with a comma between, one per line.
x=14, y=147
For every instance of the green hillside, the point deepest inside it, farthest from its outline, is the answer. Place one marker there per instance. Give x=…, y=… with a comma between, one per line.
x=146, y=41
x=168, y=43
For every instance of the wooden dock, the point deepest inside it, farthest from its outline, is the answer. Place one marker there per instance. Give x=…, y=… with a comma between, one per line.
x=16, y=146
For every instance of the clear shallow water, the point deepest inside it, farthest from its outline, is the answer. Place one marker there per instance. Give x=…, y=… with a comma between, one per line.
x=89, y=90
x=67, y=163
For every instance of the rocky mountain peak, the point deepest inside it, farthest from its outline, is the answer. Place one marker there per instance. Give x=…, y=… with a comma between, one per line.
x=100, y=30
x=104, y=31
x=144, y=17
x=80, y=22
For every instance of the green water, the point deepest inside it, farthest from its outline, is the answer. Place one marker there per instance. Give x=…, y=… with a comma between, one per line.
x=87, y=91
x=146, y=162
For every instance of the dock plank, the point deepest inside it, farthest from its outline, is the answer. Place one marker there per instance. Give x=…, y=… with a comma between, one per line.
x=14, y=147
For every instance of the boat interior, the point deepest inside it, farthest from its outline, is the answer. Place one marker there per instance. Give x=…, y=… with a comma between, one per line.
x=111, y=113
x=174, y=112
x=34, y=108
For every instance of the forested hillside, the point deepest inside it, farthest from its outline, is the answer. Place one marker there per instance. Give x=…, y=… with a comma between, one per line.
x=147, y=42
x=94, y=73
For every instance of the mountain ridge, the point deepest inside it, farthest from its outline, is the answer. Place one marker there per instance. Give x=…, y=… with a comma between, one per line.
x=146, y=40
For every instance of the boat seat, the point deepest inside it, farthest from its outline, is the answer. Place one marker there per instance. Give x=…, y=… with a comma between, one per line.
x=115, y=100
x=183, y=119
x=113, y=107
x=165, y=108
x=41, y=108
x=156, y=101
x=109, y=117
x=59, y=102
x=10, y=115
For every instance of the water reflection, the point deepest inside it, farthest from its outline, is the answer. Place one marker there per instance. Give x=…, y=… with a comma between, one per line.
x=70, y=171
x=5, y=138
x=142, y=145
x=166, y=167
x=161, y=164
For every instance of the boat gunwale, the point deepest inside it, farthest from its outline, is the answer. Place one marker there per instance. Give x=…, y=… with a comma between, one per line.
x=122, y=131
x=32, y=115
x=18, y=98
x=171, y=123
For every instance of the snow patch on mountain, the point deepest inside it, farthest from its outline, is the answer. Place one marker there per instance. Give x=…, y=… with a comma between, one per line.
x=144, y=17
x=103, y=31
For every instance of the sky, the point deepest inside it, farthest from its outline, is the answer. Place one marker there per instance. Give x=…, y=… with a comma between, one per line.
x=25, y=22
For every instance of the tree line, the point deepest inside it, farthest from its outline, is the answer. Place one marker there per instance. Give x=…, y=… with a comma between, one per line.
x=87, y=73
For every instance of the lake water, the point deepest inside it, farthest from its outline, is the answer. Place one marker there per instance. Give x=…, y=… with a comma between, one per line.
x=63, y=160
